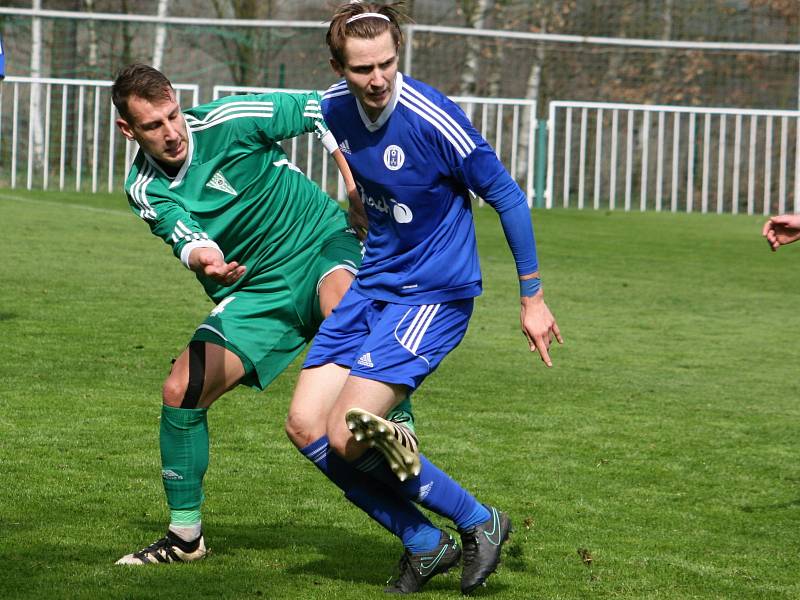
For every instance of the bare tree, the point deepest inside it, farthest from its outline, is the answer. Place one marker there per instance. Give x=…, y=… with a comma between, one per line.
x=89, y=6
x=543, y=16
x=475, y=12
x=161, y=35
x=247, y=52
x=659, y=68
x=126, y=52
x=36, y=94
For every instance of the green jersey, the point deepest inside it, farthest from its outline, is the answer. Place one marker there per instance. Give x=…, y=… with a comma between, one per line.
x=238, y=191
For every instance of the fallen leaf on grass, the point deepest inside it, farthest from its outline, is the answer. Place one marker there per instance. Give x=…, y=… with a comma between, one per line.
x=586, y=556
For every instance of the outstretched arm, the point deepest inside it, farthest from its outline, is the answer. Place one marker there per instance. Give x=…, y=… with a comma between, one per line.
x=781, y=230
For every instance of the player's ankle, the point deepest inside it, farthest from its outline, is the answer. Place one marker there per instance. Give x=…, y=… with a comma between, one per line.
x=188, y=533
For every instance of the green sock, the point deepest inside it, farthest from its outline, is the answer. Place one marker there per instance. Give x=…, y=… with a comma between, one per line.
x=402, y=413
x=184, y=460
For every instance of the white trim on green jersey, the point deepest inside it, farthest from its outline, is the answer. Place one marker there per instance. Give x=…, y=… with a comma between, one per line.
x=138, y=193
x=313, y=109
x=285, y=162
x=235, y=110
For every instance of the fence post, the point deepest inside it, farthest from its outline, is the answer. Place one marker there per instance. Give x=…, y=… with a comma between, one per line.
x=541, y=161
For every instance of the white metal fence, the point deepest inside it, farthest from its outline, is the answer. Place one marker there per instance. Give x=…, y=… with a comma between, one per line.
x=61, y=134
x=509, y=125
x=673, y=158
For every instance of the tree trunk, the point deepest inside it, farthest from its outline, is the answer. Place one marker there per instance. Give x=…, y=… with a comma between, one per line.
x=161, y=35
x=35, y=118
x=475, y=11
x=532, y=92
x=88, y=105
x=65, y=32
x=92, y=26
x=659, y=69
x=126, y=54
x=248, y=58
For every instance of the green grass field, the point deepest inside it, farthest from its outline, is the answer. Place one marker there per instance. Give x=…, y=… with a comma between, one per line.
x=657, y=459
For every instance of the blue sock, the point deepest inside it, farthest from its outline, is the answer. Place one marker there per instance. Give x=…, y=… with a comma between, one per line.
x=392, y=512
x=432, y=488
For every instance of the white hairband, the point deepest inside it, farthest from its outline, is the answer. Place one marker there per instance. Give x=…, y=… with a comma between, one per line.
x=365, y=15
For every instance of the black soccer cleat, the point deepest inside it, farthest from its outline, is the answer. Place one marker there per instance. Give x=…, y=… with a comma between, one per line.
x=482, y=544
x=168, y=549
x=417, y=569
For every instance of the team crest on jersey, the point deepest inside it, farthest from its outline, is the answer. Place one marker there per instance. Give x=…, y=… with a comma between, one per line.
x=218, y=182
x=394, y=157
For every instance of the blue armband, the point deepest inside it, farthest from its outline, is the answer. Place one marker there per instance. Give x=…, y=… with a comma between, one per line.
x=529, y=287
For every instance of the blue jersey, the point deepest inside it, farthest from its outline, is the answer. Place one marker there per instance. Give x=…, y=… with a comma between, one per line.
x=414, y=168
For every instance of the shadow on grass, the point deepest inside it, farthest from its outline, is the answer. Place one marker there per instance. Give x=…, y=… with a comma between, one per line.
x=266, y=558
x=777, y=506
x=8, y=316
x=329, y=553
x=347, y=556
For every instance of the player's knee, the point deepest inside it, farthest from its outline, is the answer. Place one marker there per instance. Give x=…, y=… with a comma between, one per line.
x=341, y=447
x=341, y=441
x=197, y=374
x=301, y=430
x=183, y=390
x=173, y=391
x=294, y=431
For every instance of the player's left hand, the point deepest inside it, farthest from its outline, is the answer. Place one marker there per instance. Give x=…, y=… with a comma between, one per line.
x=225, y=273
x=539, y=326
x=209, y=262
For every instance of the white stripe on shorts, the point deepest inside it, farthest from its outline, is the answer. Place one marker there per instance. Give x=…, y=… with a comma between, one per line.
x=424, y=328
x=419, y=326
x=215, y=330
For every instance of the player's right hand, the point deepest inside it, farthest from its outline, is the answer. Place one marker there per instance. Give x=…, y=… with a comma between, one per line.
x=357, y=214
x=539, y=326
x=781, y=230
x=358, y=221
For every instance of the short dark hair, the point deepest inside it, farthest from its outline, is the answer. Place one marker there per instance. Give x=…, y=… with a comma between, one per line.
x=365, y=28
x=139, y=80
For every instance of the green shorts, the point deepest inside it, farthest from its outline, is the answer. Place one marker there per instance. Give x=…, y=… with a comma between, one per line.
x=268, y=324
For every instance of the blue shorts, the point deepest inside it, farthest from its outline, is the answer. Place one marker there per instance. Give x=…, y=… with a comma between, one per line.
x=393, y=343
